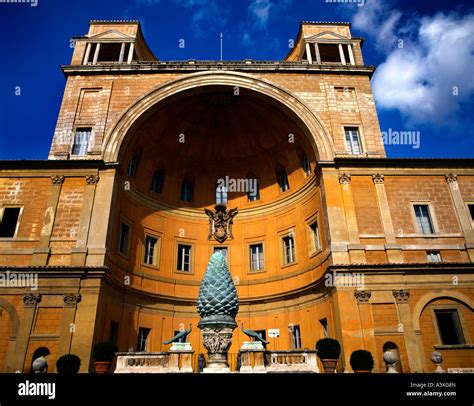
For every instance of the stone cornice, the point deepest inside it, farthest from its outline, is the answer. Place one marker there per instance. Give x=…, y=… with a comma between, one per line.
x=199, y=66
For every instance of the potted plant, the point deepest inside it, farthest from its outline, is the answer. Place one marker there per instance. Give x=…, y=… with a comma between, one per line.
x=104, y=353
x=362, y=361
x=68, y=364
x=328, y=351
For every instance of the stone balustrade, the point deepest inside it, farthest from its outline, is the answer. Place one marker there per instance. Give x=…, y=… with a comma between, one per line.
x=153, y=362
x=292, y=361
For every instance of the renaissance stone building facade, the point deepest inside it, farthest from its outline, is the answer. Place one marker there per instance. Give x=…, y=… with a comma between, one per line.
x=335, y=240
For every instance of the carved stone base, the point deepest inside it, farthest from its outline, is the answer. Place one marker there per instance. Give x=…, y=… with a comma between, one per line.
x=217, y=339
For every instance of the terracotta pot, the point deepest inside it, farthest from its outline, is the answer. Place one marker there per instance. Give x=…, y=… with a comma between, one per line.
x=329, y=365
x=102, y=367
x=362, y=371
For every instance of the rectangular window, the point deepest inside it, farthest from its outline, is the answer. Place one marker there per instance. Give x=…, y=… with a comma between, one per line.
x=423, y=218
x=449, y=327
x=187, y=192
x=315, y=237
x=157, y=181
x=142, y=343
x=353, y=144
x=132, y=167
x=471, y=211
x=306, y=166
x=221, y=195
x=433, y=256
x=254, y=195
x=114, y=332
x=295, y=337
x=81, y=141
x=184, y=258
x=150, y=250
x=324, y=327
x=223, y=250
x=283, y=181
x=289, y=249
x=9, y=222
x=256, y=257
x=124, y=238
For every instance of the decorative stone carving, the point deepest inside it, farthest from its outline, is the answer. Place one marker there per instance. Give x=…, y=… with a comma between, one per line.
x=217, y=305
x=72, y=299
x=31, y=299
x=378, y=178
x=57, y=179
x=401, y=295
x=362, y=296
x=345, y=179
x=92, y=179
x=220, y=222
x=451, y=178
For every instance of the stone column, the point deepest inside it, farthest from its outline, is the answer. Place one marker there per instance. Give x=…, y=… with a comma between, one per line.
x=341, y=54
x=318, y=55
x=122, y=52
x=67, y=327
x=86, y=56
x=414, y=356
x=130, y=53
x=462, y=213
x=30, y=301
x=79, y=252
x=394, y=253
x=96, y=54
x=41, y=252
x=308, y=52
x=351, y=54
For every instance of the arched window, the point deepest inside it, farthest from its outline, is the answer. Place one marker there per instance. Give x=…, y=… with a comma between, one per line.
x=282, y=178
x=157, y=181
x=187, y=190
x=221, y=191
x=133, y=165
x=253, y=192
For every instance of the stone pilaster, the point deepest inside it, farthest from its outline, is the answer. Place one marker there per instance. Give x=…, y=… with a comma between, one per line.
x=394, y=253
x=79, y=252
x=68, y=327
x=461, y=211
x=30, y=302
x=402, y=297
x=41, y=251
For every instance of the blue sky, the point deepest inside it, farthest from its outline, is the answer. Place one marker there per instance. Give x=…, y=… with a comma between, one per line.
x=424, y=52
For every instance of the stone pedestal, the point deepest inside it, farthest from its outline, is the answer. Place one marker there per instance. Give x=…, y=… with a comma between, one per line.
x=217, y=338
x=252, y=357
x=181, y=357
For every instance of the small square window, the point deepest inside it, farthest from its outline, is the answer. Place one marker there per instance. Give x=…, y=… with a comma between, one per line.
x=433, y=256
x=9, y=222
x=82, y=139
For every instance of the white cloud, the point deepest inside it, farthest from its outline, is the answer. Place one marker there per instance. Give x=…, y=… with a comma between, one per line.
x=206, y=13
x=262, y=10
x=429, y=78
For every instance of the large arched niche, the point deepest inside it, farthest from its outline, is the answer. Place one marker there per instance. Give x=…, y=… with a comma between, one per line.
x=317, y=135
